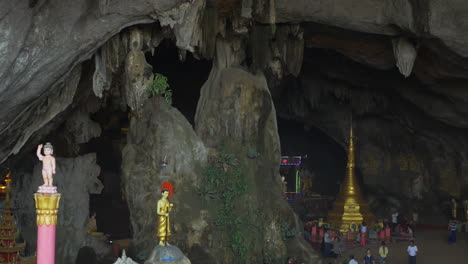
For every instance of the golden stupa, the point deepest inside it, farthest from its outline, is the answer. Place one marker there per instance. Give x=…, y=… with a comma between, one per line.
x=350, y=208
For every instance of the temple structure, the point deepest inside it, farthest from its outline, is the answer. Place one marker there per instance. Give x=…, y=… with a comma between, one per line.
x=9, y=249
x=350, y=208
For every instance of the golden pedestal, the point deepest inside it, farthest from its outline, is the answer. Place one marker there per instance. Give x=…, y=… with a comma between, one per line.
x=350, y=207
x=47, y=205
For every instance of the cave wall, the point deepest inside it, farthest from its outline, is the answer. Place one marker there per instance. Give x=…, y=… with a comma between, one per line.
x=43, y=41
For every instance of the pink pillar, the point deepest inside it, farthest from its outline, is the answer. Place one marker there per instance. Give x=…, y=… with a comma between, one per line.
x=46, y=209
x=46, y=244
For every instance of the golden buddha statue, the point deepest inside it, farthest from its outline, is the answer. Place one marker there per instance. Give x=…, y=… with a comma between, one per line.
x=164, y=229
x=454, y=208
x=306, y=187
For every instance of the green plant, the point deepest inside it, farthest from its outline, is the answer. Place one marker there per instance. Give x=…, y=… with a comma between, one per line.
x=206, y=193
x=160, y=86
x=238, y=244
x=224, y=175
x=253, y=153
x=287, y=231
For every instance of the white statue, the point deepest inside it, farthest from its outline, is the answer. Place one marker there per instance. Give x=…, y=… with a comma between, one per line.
x=124, y=259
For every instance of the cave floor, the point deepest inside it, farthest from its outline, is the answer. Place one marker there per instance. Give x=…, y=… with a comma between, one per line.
x=432, y=245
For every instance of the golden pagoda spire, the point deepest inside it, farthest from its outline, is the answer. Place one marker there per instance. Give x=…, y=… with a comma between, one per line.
x=350, y=207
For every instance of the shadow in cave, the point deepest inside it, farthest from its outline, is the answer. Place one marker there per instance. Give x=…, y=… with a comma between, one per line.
x=185, y=78
x=326, y=159
x=110, y=206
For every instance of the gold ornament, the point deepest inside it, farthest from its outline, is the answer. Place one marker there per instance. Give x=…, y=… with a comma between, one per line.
x=47, y=208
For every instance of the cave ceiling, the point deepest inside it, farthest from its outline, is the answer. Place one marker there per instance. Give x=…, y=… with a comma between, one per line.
x=43, y=43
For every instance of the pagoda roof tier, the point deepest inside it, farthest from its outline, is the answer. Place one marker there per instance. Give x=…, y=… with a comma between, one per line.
x=13, y=235
x=13, y=249
x=10, y=226
x=6, y=216
x=21, y=261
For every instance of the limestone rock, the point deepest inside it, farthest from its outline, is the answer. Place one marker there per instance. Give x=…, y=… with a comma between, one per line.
x=438, y=18
x=138, y=73
x=243, y=105
x=405, y=55
x=82, y=127
x=40, y=48
x=236, y=106
x=102, y=78
x=161, y=133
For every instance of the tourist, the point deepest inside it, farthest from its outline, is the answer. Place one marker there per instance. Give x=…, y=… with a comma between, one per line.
x=383, y=253
x=368, y=258
x=336, y=247
x=352, y=260
x=327, y=244
x=412, y=251
x=394, y=220
x=307, y=234
x=453, y=232
x=363, y=234
x=341, y=243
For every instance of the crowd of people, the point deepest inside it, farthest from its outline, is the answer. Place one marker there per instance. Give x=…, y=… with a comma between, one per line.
x=383, y=253
x=400, y=227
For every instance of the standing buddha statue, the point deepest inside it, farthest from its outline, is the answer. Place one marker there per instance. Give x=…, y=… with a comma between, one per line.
x=164, y=228
x=454, y=208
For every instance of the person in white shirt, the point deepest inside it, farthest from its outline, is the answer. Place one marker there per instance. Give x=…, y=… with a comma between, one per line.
x=394, y=220
x=352, y=260
x=363, y=234
x=412, y=251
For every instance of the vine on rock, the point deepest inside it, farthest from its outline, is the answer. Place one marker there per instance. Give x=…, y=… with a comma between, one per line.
x=225, y=184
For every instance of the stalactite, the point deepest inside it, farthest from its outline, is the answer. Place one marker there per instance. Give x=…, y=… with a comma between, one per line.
x=405, y=54
x=101, y=77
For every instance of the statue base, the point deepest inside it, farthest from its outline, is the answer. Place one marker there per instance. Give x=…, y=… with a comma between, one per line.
x=167, y=254
x=47, y=189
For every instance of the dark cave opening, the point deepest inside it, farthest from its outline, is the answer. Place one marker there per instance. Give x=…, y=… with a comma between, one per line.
x=326, y=159
x=185, y=78
x=110, y=206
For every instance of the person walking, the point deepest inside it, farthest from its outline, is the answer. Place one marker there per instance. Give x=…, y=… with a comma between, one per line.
x=412, y=251
x=453, y=232
x=363, y=234
x=327, y=243
x=352, y=260
x=394, y=220
x=368, y=258
x=383, y=253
